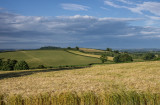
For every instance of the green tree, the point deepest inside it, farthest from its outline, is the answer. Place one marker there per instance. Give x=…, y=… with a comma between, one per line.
x=77, y=48
x=41, y=67
x=12, y=63
x=116, y=59
x=116, y=51
x=103, y=58
x=123, y=58
x=109, y=49
x=6, y=65
x=69, y=48
x=21, y=65
x=149, y=56
x=1, y=63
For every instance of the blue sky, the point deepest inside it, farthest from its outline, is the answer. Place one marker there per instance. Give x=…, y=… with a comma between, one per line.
x=83, y=23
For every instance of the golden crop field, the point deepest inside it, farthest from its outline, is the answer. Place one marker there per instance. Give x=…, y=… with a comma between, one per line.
x=90, y=50
x=135, y=83
x=89, y=55
x=140, y=77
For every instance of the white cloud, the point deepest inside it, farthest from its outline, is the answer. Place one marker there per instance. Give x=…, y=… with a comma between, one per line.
x=115, y=5
x=152, y=7
x=74, y=7
x=148, y=32
x=76, y=17
x=125, y=1
x=153, y=17
x=112, y=4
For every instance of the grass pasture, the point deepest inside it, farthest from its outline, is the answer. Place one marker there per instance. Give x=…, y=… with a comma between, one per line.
x=135, y=83
x=49, y=58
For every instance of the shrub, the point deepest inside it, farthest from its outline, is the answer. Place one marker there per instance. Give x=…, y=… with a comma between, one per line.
x=116, y=51
x=123, y=58
x=109, y=49
x=149, y=56
x=103, y=58
x=21, y=65
x=77, y=48
x=69, y=48
x=12, y=63
x=6, y=66
x=1, y=63
x=41, y=67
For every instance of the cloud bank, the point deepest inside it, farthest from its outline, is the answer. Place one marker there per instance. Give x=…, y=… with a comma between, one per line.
x=17, y=31
x=74, y=7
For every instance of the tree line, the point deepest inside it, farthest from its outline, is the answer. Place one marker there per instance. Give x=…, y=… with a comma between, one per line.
x=125, y=57
x=10, y=65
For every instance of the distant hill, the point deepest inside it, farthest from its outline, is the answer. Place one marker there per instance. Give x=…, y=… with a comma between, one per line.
x=141, y=50
x=50, y=48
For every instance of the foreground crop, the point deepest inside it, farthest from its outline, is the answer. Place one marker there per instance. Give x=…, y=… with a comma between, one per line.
x=88, y=98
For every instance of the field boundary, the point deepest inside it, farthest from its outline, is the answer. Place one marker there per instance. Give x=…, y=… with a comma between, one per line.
x=80, y=54
x=21, y=73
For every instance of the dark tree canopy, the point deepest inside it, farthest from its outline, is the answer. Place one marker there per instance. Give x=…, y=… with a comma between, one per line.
x=103, y=58
x=41, y=67
x=7, y=65
x=69, y=48
x=77, y=48
x=123, y=58
x=109, y=49
x=149, y=56
x=21, y=65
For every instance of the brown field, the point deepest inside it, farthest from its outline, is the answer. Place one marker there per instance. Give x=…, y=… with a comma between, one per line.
x=90, y=50
x=139, y=77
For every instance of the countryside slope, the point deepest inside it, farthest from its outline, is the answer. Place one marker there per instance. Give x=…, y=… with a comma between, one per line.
x=49, y=58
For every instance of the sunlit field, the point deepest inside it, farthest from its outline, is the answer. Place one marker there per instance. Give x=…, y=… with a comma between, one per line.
x=130, y=78
x=90, y=50
x=89, y=55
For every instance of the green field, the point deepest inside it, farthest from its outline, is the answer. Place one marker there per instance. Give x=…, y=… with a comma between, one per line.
x=49, y=58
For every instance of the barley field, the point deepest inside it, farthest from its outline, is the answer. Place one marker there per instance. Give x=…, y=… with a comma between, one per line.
x=126, y=83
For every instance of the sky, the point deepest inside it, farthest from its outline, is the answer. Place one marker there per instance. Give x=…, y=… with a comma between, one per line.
x=29, y=24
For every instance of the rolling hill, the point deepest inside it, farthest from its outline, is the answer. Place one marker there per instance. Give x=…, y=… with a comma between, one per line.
x=49, y=58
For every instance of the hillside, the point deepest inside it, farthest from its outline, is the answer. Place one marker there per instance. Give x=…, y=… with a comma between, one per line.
x=49, y=58
x=88, y=55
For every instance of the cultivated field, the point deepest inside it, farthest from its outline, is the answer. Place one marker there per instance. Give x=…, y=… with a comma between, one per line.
x=88, y=55
x=131, y=82
x=139, y=77
x=49, y=58
x=90, y=50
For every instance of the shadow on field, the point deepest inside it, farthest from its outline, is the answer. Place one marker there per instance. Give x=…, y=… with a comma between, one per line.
x=25, y=73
